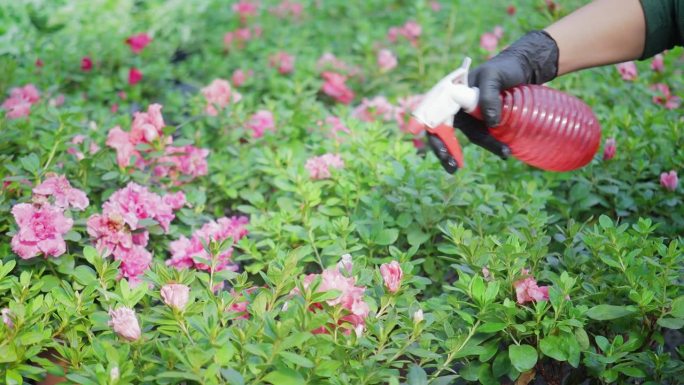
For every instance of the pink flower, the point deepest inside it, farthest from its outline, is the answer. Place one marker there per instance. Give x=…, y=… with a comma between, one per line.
x=510, y=10
x=489, y=41
x=373, y=109
x=609, y=149
x=350, y=298
x=134, y=76
x=498, y=31
x=391, y=274
x=245, y=9
x=240, y=307
x=336, y=88
x=175, y=295
x=288, y=8
x=403, y=110
x=86, y=64
x=187, y=160
x=393, y=34
x=319, y=166
x=283, y=61
x=147, y=126
x=345, y=264
x=240, y=77
x=261, y=121
x=328, y=62
x=41, y=230
x=65, y=195
x=124, y=323
x=138, y=42
x=664, y=97
x=20, y=101
x=526, y=290
x=628, y=70
x=39, y=63
x=7, y=318
x=485, y=273
x=669, y=180
x=386, y=60
x=336, y=125
x=658, y=63
x=191, y=252
x=134, y=262
x=218, y=95
x=136, y=203
x=109, y=232
x=124, y=145
x=175, y=200
x=411, y=31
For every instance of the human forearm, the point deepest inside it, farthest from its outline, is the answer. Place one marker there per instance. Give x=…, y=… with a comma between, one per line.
x=602, y=32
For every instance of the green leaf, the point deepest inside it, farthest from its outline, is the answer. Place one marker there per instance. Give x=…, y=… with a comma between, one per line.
x=671, y=323
x=491, y=327
x=609, y=312
x=605, y=222
x=284, y=376
x=416, y=376
x=85, y=275
x=630, y=371
x=13, y=378
x=551, y=346
x=417, y=237
x=386, y=237
x=297, y=359
x=232, y=376
x=30, y=163
x=678, y=307
x=7, y=354
x=523, y=357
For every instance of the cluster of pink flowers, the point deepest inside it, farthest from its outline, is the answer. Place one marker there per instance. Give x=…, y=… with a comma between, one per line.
x=20, y=101
x=124, y=323
x=260, y=122
x=218, y=95
x=335, y=86
x=527, y=290
x=147, y=128
x=664, y=96
x=191, y=252
x=138, y=42
x=319, y=166
x=371, y=110
x=350, y=298
x=609, y=149
x=288, y=8
x=240, y=77
x=121, y=229
x=658, y=63
x=669, y=180
x=628, y=70
x=489, y=41
x=283, y=61
x=386, y=60
x=42, y=224
x=246, y=9
x=410, y=31
x=240, y=37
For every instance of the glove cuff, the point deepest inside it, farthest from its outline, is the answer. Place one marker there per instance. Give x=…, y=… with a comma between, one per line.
x=538, y=52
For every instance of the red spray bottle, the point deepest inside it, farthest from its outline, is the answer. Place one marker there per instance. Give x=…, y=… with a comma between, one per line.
x=544, y=128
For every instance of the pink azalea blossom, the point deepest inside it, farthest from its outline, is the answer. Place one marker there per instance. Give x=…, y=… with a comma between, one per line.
x=240, y=37
x=124, y=323
x=664, y=97
x=124, y=145
x=218, y=95
x=391, y=275
x=345, y=264
x=20, y=101
x=609, y=149
x=386, y=60
x=329, y=62
x=335, y=86
x=134, y=76
x=283, y=61
x=110, y=234
x=319, y=166
x=136, y=203
x=59, y=187
x=134, y=263
x=86, y=64
x=489, y=41
x=411, y=31
x=261, y=121
x=240, y=77
x=628, y=70
x=371, y=110
x=175, y=295
x=187, y=253
x=138, y=42
x=175, y=200
x=288, y=8
x=669, y=180
x=245, y=9
x=148, y=126
x=7, y=318
x=41, y=230
x=189, y=161
x=658, y=63
x=526, y=290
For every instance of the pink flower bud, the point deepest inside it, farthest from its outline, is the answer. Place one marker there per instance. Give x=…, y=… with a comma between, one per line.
x=124, y=323
x=418, y=316
x=134, y=76
x=175, y=295
x=669, y=180
x=609, y=149
x=628, y=70
x=391, y=274
x=6, y=319
x=345, y=264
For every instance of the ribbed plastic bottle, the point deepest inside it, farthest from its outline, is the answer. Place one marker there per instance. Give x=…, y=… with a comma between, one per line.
x=543, y=127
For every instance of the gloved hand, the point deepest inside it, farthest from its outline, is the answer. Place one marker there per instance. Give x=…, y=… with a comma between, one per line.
x=533, y=59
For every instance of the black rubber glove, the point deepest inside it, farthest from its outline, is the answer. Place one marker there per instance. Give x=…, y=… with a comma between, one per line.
x=533, y=59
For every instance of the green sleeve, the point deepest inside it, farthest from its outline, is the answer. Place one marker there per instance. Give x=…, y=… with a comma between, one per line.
x=664, y=25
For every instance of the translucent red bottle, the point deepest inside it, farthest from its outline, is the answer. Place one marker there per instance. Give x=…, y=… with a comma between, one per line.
x=543, y=127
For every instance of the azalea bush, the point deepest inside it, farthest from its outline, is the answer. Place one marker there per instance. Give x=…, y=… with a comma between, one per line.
x=215, y=192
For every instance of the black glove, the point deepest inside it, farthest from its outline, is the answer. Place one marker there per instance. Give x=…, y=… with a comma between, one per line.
x=533, y=59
